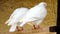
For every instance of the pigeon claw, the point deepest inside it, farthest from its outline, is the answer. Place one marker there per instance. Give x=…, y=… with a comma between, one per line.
x=19, y=28
x=36, y=27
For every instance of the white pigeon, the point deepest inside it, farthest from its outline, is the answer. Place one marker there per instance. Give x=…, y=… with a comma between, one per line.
x=35, y=14
x=13, y=21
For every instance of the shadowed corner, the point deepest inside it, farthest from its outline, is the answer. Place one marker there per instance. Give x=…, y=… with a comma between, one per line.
x=53, y=29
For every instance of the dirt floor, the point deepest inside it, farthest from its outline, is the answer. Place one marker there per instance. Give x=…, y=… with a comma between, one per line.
x=8, y=6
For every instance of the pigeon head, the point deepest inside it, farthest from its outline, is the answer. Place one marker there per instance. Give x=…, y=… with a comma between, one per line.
x=42, y=4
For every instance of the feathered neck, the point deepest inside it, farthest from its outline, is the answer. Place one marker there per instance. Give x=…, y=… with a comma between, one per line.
x=39, y=6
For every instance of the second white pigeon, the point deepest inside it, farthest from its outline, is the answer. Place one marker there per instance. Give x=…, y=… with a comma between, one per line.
x=35, y=14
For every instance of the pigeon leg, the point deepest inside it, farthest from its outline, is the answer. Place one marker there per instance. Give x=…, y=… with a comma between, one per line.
x=19, y=28
x=36, y=27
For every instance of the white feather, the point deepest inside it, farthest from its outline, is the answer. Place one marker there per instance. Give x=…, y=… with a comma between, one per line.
x=15, y=17
x=13, y=28
x=36, y=14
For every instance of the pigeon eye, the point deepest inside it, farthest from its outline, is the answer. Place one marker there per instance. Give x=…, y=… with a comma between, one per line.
x=45, y=4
